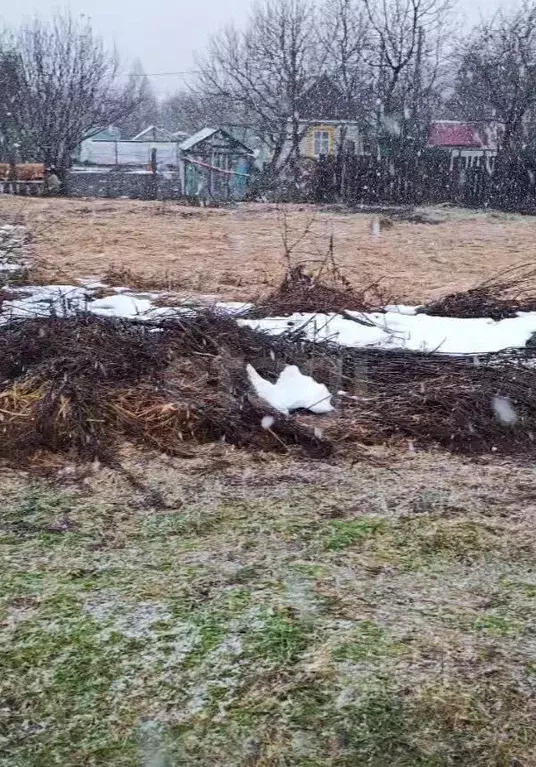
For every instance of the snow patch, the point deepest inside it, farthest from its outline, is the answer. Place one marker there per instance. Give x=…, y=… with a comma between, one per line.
x=120, y=305
x=293, y=391
x=411, y=332
x=400, y=327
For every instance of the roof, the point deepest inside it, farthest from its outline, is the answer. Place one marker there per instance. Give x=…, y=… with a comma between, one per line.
x=163, y=134
x=110, y=133
x=323, y=101
x=206, y=133
x=197, y=138
x=452, y=133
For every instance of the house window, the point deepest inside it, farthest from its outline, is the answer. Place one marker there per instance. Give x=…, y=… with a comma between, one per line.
x=322, y=143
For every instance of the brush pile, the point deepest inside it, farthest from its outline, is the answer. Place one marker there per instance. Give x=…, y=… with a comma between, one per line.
x=303, y=292
x=81, y=385
x=499, y=298
x=465, y=405
x=78, y=386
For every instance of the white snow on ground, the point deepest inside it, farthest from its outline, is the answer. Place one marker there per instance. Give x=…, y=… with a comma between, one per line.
x=43, y=301
x=234, y=307
x=12, y=259
x=413, y=332
x=402, y=309
x=293, y=391
x=400, y=327
x=121, y=305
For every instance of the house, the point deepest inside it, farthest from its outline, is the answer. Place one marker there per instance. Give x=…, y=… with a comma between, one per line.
x=154, y=134
x=106, y=149
x=326, y=122
x=210, y=165
x=215, y=165
x=470, y=144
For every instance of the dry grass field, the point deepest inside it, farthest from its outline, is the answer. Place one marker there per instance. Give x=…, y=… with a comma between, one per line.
x=240, y=609
x=238, y=253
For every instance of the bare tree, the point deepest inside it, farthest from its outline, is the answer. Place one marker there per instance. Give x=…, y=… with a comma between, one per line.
x=266, y=70
x=69, y=86
x=147, y=109
x=10, y=135
x=496, y=78
x=190, y=110
x=346, y=36
x=410, y=39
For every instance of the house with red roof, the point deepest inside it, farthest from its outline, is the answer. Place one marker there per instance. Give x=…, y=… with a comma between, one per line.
x=470, y=144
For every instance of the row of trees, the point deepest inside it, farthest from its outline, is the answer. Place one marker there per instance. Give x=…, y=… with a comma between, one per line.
x=58, y=82
x=396, y=64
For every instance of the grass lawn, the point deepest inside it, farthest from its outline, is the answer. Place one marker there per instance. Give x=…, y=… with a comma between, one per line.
x=269, y=611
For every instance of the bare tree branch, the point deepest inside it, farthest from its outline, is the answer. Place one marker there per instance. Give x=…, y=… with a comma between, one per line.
x=69, y=86
x=496, y=77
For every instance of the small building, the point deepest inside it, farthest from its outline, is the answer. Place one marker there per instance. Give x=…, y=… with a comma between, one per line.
x=470, y=144
x=135, y=153
x=326, y=122
x=215, y=165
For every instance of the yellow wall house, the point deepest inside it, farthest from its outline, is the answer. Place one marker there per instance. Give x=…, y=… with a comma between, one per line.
x=327, y=122
x=324, y=139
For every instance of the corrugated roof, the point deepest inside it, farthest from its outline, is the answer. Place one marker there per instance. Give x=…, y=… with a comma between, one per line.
x=449, y=133
x=197, y=138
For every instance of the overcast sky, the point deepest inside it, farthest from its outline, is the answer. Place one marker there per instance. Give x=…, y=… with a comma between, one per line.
x=165, y=34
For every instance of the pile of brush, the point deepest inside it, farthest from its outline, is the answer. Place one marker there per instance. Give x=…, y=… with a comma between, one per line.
x=499, y=298
x=78, y=386
x=304, y=292
x=472, y=406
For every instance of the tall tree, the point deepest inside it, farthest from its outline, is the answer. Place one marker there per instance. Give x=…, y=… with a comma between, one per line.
x=496, y=78
x=346, y=37
x=410, y=38
x=147, y=110
x=69, y=86
x=11, y=137
x=265, y=70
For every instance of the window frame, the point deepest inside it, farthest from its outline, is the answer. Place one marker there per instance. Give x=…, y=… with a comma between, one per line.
x=321, y=141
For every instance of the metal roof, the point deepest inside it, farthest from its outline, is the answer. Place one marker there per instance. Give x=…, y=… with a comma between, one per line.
x=153, y=128
x=207, y=133
x=197, y=138
x=451, y=133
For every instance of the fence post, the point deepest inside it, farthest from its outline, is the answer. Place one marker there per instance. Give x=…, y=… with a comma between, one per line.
x=154, y=178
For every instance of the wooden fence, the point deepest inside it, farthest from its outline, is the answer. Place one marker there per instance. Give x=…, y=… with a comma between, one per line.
x=424, y=179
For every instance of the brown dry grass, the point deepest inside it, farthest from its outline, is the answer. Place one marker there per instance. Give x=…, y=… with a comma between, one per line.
x=237, y=253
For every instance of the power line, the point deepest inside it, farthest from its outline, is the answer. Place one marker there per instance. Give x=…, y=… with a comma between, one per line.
x=163, y=74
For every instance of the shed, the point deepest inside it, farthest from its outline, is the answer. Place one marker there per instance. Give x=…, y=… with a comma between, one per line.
x=470, y=144
x=216, y=166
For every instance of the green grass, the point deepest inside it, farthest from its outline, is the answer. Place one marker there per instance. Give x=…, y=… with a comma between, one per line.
x=368, y=641
x=281, y=639
x=345, y=533
x=247, y=626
